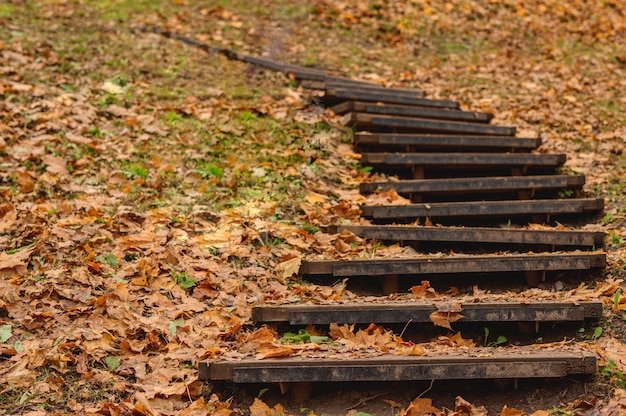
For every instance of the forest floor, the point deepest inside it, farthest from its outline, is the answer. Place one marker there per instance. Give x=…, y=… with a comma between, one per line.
x=152, y=193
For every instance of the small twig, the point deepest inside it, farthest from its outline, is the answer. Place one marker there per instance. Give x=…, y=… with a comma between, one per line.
x=428, y=389
x=362, y=401
x=405, y=327
x=188, y=393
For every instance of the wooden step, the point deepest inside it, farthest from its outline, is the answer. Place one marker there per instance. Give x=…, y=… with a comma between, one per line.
x=481, y=363
x=411, y=111
x=479, y=235
x=454, y=264
x=344, y=83
x=444, y=161
x=449, y=143
x=339, y=94
x=494, y=210
x=477, y=186
x=389, y=313
x=376, y=122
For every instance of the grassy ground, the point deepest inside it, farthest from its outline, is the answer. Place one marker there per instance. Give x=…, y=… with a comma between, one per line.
x=151, y=193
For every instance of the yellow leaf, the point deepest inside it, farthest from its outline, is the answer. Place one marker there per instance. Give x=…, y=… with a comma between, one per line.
x=314, y=197
x=289, y=268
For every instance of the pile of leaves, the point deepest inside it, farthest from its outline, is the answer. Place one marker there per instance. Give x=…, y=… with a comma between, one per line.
x=151, y=194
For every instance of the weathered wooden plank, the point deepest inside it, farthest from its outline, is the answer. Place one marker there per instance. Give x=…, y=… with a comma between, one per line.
x=464, y=159
x=479, y=235
x=454, y=264
x=391, y=97
x=494, y=209
x=262, y=62
x=387, y=313
x=331, y=82
x=447, y=142
x=520, y=363
x=480, y=185
x=424, y=125
x=411, y=111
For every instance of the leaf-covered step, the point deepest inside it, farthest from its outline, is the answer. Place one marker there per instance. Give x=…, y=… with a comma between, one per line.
x=339, y=94
x=495, y=363
x=477, y=186
x=492, y=210
x=388, y=313
x=473, y=160
x=478, y=235
x=447, y=142
x=330, y=83
x=454, y=264
x=367, y=121
x=411, y=111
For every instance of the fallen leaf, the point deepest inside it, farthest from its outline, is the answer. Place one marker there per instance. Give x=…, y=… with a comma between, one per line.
x=421, y=407
x=465, y=408
x=314, y=197
x=423, y=291
x=446, y=313
x=509, y=411
x=290, y=267
x=55, y=165
x=16, y=264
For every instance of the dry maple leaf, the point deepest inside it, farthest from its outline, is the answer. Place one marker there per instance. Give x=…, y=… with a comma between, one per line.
x=423, y=291
x=421, y=407
x=446, y=313
x=15, y=265
x=259, y=408
x=465, y=408
x=509, y=411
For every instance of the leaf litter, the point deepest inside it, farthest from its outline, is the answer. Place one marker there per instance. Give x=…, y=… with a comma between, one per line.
x=137, y=229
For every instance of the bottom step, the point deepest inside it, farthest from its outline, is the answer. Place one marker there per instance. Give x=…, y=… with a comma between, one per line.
x=519, y=363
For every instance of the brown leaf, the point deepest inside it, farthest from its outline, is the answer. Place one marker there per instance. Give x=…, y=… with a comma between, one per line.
x=314, y=197
x=55, y=165
x=446, y=313
x=421, y=407
x=142, y=405
x=509, y=411
x=259, y=408
x=288, y=268
x=465, y=408
x=15, y=265
x=336, y=332
x=8, y=218
x=423, y=291
x=26, y=181
x=414, y=350
x=273, y=351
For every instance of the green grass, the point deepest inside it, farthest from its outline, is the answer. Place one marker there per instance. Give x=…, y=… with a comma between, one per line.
x=6, y=10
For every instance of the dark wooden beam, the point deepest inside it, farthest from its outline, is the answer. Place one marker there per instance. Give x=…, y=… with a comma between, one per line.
x=423, y=125
x=477, y=185
x=417, y=142
x=345, y=94
x=411, y=111
x=493, y=209
x=388, y=313
x=494, y=364
x=454, y=264
x=464, y=159
x=479, y=235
